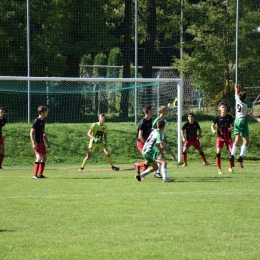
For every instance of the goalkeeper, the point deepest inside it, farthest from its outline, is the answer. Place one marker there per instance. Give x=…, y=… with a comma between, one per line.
x=98, y=139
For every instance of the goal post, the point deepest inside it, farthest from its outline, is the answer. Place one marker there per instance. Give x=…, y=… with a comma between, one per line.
x=77, y=100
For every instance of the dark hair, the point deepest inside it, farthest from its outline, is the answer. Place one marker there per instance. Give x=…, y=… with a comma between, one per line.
x=242, y=96
x=147, y=108
x=42, y=109
x=160, y=124
x=101, y=114
x=1, y=108
x=222, y=104
x=191, y=114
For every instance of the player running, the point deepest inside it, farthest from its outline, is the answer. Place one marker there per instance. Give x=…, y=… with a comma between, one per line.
x=192, y=138
x=143, y=131
x=2, y=144
x=38, y=136
x=163, y=113
x=152, y=155
x=98, y=139
x=225, y=125
x=241, y=130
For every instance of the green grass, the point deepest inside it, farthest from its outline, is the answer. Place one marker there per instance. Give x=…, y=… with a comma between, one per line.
x=101, y=214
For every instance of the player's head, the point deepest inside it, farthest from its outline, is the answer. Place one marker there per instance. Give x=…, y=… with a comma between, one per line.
x=101, y=118
x=148, y=110
x=42, y=110
x=163, y=110
x=222, y=106
x=191, y=117
x=242, y=96
x=2, y=112
x=160, y=124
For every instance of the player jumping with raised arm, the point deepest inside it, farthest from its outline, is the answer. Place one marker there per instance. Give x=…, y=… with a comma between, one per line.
x=98, y=139
x=225, y=125
x=241, y=130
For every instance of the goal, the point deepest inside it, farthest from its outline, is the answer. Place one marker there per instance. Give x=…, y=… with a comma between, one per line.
x=78, y=100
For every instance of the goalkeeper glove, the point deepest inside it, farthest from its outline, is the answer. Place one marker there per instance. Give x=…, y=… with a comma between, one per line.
x=95, y=140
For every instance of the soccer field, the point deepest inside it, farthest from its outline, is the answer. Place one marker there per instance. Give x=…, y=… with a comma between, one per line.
x=102, y=214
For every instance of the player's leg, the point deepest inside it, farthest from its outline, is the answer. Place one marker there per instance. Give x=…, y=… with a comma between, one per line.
x=157, y=174
x=109, y=158
x=197, y=146
x=140, y=165
x=229, y=145
x=218, y=160
x=149, y=170
x=184, y=153
x=164, y=170
x=243, y=151
x=36, y=164
x=88, y=156
x=2, y=153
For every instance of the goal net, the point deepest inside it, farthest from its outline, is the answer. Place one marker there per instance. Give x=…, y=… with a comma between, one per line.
x=79, y=100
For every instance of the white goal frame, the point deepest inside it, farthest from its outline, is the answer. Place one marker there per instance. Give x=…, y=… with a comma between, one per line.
x=135, y=80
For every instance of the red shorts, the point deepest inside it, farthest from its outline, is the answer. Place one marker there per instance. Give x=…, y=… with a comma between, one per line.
x=196, y=144
x=221, y=141
x=40, y=149
x=140, y=146
x=2, y=141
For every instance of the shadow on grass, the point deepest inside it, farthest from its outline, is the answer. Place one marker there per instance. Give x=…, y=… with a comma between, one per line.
x=5, y=230
x=84, y=178
x=203, y=179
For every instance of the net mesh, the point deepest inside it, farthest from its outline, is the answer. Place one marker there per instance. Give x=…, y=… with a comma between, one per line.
x=81, y=101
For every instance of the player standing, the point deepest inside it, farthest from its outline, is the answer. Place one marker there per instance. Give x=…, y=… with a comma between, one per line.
x=2, y=145
x=192, y=138
x=225, y=125
x=143, y=131
x=241, y=130
x=38, y=136
x=98, y=139
x=152, y=155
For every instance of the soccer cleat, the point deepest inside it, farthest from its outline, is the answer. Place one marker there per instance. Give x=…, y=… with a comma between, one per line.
x=240, y=161
x=115, y=168
x=1, y=168
x=230, y=170
x=157, y=175
x=184, y=165
x=138, y=177
x=231, y=158
x=206, y=164
x=167, y=180
x=137, y=168
x=35, y=177
x=41, y=177
x=81, y=169
x=219, y=171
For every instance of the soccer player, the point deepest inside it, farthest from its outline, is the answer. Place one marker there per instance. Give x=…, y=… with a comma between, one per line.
x=152, y=155
x=192, y=138
x=241, y=130
x=143, y=131
x=98, y=139
x=2, y=145
x=163, y=112
x=38, y=136
x=225, y=125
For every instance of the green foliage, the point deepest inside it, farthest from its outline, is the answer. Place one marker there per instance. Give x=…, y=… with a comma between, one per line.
x=100, y=59
x=115, y=58
x=85, y=60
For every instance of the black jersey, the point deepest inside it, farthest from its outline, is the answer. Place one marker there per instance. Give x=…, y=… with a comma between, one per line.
x=39, y=126
x=146, y=126
x=2, y=123
x=191, y=130
x=223, y=123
